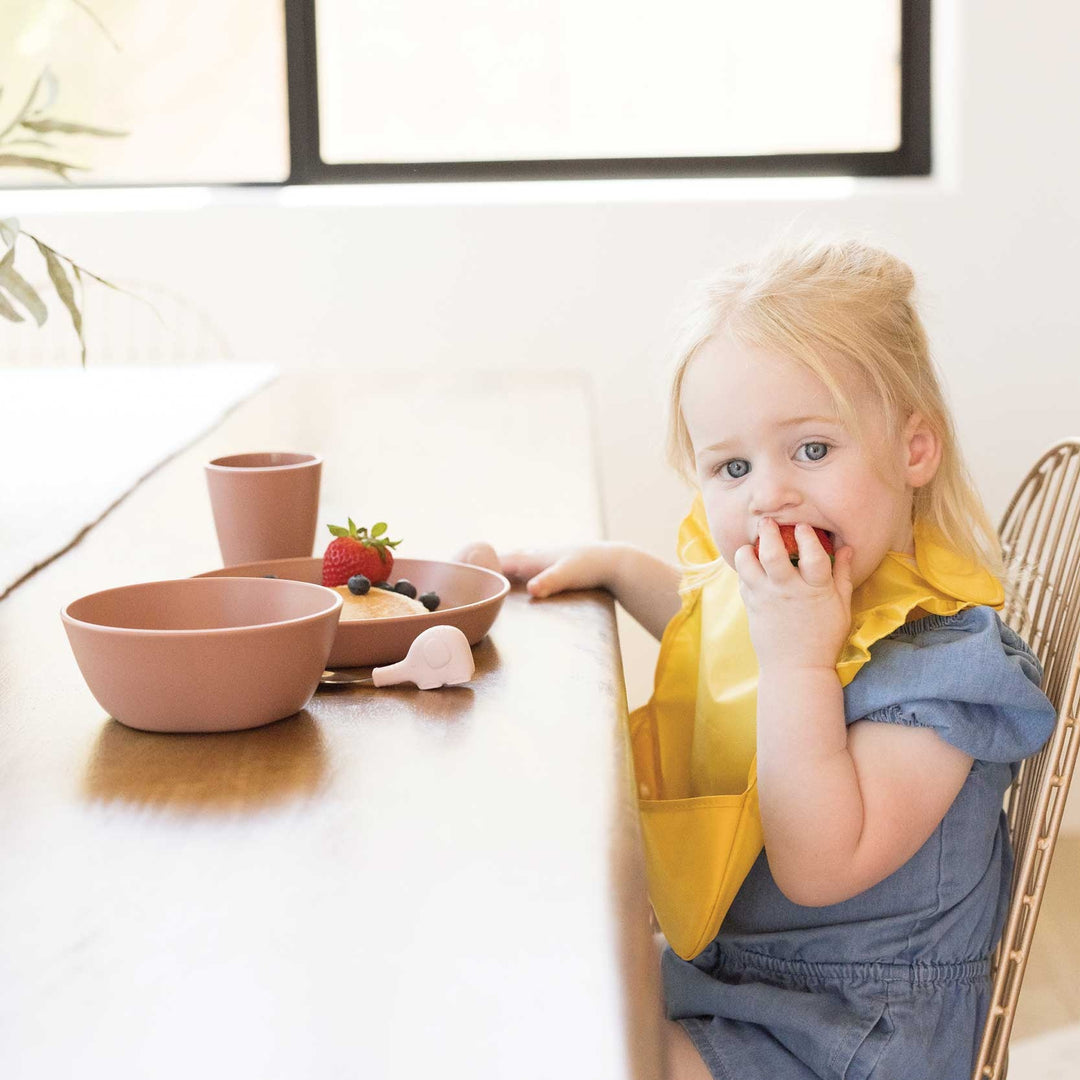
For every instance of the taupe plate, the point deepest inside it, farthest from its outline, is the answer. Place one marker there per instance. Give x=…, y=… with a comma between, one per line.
x=470, y=600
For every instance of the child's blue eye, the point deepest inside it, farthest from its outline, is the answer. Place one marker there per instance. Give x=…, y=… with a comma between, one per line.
x=815, y=451
x=735, y=469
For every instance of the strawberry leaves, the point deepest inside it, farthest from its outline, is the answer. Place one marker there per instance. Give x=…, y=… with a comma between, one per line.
x=354, y=550
x=376, y=539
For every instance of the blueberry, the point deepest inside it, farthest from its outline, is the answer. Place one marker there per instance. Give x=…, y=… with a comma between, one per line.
x=271, y=575
x=359, y=585
x=384, y=585
x=430, y=600
x=406, y=588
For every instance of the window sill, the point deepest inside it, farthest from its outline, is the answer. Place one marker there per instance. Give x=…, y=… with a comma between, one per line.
x=15, y=201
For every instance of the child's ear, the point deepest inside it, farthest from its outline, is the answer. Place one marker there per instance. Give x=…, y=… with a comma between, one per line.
x=922, y=450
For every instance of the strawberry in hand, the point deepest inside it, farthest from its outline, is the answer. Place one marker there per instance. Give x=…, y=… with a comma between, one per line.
x=354, y=551
x=787, y=534
x=798, y=616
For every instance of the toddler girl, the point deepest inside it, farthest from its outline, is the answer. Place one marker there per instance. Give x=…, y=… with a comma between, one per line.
x=822, y=765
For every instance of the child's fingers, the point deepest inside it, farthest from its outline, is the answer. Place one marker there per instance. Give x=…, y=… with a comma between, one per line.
x=842, y=572
x=523, y=565
x=478, y=553
x=543, y=584
x=558, y=577
x=571, y=570
x=814, y=563
x=747, y=566
x=772, y=552
x=510, y=563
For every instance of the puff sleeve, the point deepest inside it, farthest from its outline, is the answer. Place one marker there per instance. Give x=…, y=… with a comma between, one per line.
x=968, y=676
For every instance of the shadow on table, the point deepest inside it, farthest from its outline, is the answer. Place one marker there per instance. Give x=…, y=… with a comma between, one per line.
x=223, y=772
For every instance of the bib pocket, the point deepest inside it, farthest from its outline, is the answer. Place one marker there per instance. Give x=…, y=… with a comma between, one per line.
x=697, y=853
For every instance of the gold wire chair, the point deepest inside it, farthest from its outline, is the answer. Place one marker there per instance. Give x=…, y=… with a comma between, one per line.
x=1040, y=535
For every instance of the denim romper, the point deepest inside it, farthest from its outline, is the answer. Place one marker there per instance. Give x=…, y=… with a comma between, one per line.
x=893, y=983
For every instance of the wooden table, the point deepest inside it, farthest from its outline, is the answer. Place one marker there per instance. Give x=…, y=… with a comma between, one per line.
x=392, y=883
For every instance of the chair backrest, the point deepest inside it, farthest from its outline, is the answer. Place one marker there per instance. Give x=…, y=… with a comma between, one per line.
x=1040, y=535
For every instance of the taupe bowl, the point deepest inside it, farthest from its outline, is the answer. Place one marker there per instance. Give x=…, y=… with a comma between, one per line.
x=470, y=599
x=203, y=654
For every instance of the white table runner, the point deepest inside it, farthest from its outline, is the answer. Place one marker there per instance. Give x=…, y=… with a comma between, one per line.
x=74, y=441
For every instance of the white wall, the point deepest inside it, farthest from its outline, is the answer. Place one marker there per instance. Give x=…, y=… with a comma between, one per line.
x=588, y=276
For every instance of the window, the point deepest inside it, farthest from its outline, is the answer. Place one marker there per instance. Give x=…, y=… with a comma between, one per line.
x=479, y=89
x=199, y=91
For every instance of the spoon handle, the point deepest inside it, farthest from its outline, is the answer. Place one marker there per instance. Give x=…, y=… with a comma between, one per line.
x=342, y=678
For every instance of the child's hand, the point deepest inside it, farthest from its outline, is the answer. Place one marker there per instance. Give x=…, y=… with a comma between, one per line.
x=479, y=553
x=545, y=571
x=800, y=616
x=644, y=585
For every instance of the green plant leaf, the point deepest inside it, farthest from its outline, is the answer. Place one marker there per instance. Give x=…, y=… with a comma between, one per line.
x=8, y=311
x=100, y=25
x=337, y=530
x=60, y=168
x=8, y=143
x=82, y=296
x=379, y=529
x=45, y=126
x=20, y=288
x=25, y=110
x=100, y=280
x=9, y=230
x=63, y=289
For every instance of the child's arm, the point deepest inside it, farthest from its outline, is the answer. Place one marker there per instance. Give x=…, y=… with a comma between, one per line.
x=841, y=808
x=646, y=586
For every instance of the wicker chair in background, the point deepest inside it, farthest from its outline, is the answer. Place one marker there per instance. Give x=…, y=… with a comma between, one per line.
x=1040, y=535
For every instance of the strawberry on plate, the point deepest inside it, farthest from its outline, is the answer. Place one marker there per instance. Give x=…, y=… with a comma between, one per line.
x=356, y=551
x=787, y=534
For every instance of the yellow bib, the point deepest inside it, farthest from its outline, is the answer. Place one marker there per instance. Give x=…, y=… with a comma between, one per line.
x=694, y=744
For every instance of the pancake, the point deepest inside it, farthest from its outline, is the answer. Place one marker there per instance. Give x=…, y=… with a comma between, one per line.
x=377, y=604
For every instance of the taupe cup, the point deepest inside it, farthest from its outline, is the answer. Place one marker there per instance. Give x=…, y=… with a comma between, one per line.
x=265, y=505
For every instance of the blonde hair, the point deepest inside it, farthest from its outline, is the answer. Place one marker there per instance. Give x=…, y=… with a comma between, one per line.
x=844, y=310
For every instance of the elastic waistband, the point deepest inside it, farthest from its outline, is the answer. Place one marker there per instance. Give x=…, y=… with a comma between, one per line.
x=734, y=960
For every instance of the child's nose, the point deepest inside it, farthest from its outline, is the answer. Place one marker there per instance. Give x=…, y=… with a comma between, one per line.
x=773, y=492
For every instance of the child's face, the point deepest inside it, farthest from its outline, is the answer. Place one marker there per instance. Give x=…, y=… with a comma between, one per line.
x=768, y=443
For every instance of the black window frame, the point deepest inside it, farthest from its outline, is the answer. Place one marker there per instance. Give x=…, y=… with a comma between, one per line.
x=911, y=158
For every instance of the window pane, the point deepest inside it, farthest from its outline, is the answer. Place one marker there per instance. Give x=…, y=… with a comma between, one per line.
x=198, y=85
x=498, y=80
